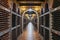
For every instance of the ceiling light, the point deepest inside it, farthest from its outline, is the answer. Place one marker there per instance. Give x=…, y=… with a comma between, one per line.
x=30, y=10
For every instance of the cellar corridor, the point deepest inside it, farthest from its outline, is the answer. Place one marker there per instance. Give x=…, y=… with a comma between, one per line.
x=29, y=19
x=29, y=33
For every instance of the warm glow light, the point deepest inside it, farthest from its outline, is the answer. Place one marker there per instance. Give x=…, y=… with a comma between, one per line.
x=23, y=8
x=37, y=8
x=27, y=16
x=30, y=8
x=33, y=15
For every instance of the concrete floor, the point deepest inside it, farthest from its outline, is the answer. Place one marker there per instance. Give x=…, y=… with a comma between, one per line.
x=29, y=33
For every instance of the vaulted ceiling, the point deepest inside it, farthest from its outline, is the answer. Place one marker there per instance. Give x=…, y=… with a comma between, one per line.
x=30, y=2
x=34, y=4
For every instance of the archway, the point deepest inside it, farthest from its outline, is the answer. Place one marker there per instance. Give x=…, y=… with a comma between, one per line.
x=37, y=18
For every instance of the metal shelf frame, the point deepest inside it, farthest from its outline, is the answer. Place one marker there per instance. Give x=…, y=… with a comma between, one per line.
x=4, y=32
x=57, y=8
x=54, y=31
x=50, y=29
x=1, y=7
x=12, y=28
x=8, y=30
x=44, y=27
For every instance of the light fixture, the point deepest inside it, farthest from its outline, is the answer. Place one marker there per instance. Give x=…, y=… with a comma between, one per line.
x=30, y=10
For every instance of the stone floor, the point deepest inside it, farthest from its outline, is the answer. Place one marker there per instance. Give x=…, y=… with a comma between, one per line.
x=29, y=33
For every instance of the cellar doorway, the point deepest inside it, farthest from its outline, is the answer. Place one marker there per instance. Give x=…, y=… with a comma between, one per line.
x=37, y=18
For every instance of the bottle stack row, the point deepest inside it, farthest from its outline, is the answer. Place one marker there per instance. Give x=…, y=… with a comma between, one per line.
x=50, y=22
x=10, y=20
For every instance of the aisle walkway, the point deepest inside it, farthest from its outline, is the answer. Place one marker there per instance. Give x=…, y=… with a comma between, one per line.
x=29, y=33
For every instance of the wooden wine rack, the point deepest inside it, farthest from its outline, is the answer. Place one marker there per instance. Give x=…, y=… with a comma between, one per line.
x=4, y=3
x=5, y=36
x=50, y=23
x=10, y=25
x=4, y=20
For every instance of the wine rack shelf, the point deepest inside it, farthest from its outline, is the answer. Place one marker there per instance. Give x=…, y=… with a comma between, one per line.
x=50, y=23
x=10, y=25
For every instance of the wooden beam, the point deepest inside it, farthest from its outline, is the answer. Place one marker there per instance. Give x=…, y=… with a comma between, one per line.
x=32, y=0
x=30, y=4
